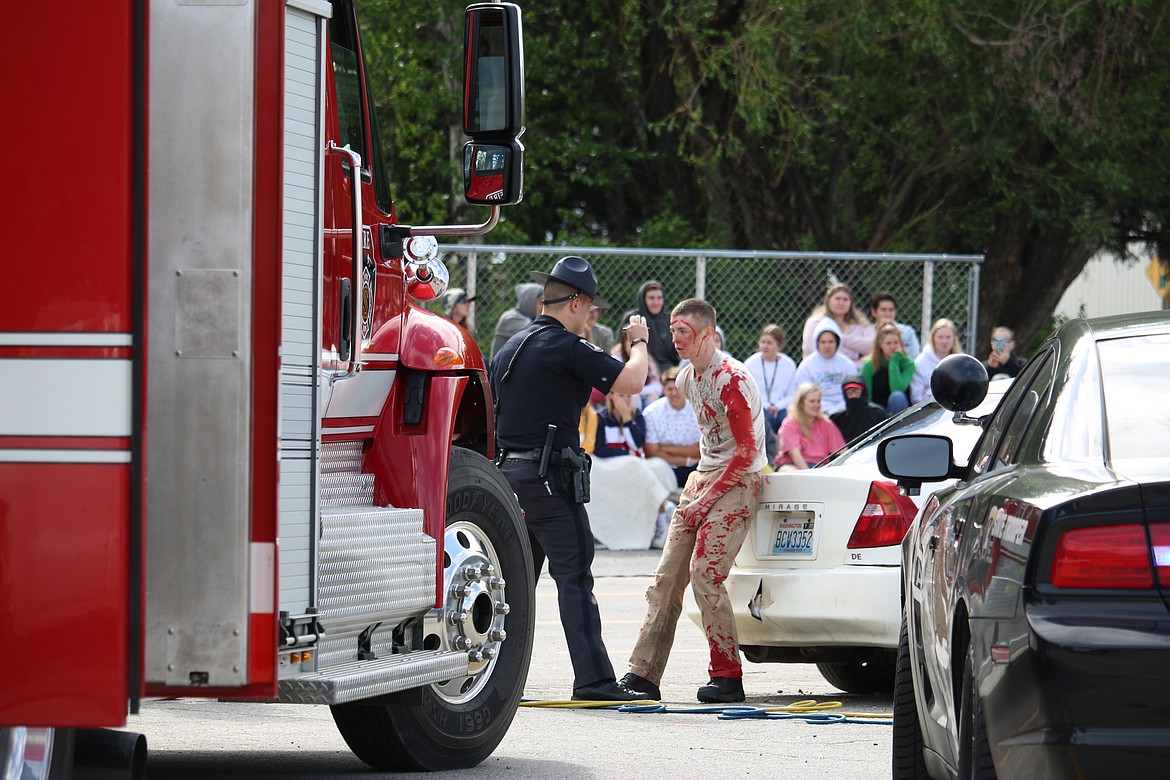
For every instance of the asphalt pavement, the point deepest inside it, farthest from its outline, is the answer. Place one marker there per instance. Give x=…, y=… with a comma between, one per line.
x=191, y=739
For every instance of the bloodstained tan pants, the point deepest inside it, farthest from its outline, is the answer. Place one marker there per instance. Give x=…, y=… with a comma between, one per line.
x=701, y=556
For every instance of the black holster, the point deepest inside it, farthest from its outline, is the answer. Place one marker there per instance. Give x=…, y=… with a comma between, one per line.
x=576, y=464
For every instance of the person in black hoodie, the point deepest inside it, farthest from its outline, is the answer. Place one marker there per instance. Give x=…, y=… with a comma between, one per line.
x=652, y=306
x=859, y=414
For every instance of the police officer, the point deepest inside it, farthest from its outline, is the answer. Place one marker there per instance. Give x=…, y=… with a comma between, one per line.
x=542, y=378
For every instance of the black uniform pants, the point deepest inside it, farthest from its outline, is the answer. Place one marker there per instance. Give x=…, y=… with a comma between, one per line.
x=559, y=529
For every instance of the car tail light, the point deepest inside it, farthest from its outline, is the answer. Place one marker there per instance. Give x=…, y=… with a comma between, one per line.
x=884, y=520
x=1160, y=538
x=1112, y=556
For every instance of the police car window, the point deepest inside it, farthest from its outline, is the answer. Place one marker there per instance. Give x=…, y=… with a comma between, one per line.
x=1028, y=415
x=1133, y=378
x=1075, y=430
x=984, y=459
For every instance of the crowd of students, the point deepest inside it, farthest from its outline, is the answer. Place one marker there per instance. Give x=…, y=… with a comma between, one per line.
x=855, y=370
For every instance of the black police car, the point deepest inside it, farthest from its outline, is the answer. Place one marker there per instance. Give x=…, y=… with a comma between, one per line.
x=1035, y=638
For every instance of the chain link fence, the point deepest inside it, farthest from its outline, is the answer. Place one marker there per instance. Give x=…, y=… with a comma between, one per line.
x=748, y=289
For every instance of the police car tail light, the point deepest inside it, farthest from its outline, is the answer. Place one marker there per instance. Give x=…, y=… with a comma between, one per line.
x=1160, y=539
x=884, y=519
x=1112, y=556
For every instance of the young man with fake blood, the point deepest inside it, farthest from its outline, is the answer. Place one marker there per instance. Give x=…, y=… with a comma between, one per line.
x=712, y=518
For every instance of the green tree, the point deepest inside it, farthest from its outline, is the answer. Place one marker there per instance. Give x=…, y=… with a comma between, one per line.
x=1030, y=132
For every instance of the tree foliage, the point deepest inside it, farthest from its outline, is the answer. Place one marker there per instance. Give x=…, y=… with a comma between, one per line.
x=1029, y=131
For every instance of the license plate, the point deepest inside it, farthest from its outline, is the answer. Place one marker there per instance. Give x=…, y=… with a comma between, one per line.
x=795, y=535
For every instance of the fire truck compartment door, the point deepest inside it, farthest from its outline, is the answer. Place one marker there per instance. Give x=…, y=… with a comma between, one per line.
x=199, y=404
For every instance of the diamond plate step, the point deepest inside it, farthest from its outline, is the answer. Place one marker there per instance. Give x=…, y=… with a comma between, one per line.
x=364, y=679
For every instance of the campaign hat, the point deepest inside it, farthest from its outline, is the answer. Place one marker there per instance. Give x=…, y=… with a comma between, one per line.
x=576, y=273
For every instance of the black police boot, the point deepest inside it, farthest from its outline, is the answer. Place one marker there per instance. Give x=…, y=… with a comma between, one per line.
x=606, y=690
x=639, y=684
x=722, y=690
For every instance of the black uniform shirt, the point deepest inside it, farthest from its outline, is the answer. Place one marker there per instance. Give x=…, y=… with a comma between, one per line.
x=550, y=383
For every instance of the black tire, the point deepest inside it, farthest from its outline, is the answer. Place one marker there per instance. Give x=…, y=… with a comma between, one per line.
x=975, y=762
x=458, y=723
x=908, y=760
x=875, y=675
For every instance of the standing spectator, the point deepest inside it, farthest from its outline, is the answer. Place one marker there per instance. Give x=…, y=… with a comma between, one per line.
x=854, y=329
x=944, y=341
x=520, y=317
x=713, y=515
x=1000, y=361
x=826, y=367
x=883, y=308
x=601, y=335
x=775, y=375
x=457, y=308
x=541, y=378
x=860, y=415
x=888, y=371
x=652, y=306
x=672, y=429
x=807, y=436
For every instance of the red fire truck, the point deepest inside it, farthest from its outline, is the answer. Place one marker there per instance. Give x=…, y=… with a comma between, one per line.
x=237, y=461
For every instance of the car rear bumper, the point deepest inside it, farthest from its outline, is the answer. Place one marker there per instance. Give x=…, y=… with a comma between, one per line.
x=1085, y=696
x=846, y=606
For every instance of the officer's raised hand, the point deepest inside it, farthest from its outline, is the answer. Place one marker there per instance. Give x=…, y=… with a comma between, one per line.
x=637, y=329
x=633, y=377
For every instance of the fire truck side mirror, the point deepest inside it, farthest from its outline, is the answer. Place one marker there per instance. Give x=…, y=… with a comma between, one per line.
x=493, y=174
x=493, y=72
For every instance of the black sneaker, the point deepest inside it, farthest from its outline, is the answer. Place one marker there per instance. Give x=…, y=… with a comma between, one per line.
x=722, y=690
x=606, y=690
x=638, y=684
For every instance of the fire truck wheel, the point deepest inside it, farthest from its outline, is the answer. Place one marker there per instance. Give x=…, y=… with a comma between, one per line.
x=457, y=723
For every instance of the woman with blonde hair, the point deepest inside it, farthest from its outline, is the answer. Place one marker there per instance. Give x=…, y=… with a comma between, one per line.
x=856, y=329
x=888, y=370
x=807, y=436
x=943, y=341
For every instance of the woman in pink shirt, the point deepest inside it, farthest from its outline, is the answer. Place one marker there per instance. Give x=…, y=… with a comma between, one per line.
x=806, y=435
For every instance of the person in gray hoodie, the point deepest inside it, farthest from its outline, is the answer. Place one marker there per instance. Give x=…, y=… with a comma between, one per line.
x=517, y=319
x=826, y=367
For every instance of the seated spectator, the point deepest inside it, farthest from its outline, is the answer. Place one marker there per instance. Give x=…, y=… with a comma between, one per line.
x=883, y=308
x=944, y=341
x=1000, y=361
x=859, y=415
x=652, y=391
x=775, y=375
x=587, y=428
x=853, y=329
x=888, y=371
x=628, y=492
x=672, y=429
x=807, y=436
x=826, y=367
x=621, y=428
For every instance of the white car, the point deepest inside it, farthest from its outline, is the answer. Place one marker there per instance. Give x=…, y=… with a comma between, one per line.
x=817, y=578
